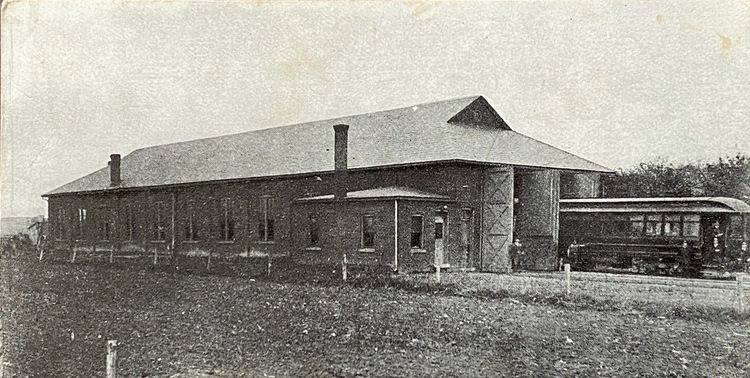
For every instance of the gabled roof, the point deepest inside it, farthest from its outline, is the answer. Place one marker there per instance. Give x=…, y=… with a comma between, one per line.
x=655, y=205
x=391, y=192
x=465, y=129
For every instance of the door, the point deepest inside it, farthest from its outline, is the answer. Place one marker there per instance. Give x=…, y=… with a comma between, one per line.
x=440, y=239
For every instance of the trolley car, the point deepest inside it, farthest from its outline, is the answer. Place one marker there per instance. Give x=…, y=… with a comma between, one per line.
x=690, y=236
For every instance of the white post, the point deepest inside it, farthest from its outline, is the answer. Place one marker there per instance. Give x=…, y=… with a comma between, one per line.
x=112, y=359
x=41, y=255
x=73, y=259
x=740, y=295
x=268, y=270
x=343, y=268
x=156, y=256
x=111, y=254
x=437, y=268
x=567, y=279
x=208, y=263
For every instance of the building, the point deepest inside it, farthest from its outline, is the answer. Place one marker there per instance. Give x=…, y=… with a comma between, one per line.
x=446, y=181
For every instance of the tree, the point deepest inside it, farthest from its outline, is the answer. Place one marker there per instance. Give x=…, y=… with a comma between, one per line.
x=729, y=177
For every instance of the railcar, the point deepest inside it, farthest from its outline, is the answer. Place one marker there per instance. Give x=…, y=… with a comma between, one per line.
x=689, y=236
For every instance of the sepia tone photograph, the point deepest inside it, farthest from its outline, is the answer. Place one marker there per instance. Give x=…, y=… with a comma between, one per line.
x=374, y=188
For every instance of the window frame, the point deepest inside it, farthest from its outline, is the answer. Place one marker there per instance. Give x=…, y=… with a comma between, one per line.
x=81, y=220
x=266, y=219
x=420, y=244
x=191, y=224
x=369, y=236
x=313, y=233
x=158, y=228
x=105, y=224
x=227, y=222
x=60, y=227
x=129, y=223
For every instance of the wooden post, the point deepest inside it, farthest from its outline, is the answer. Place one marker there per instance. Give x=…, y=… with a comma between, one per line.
x=343, y=268
x=73, y=259
x=41, y=255
x=208, y=263
x=567, y=279
x=112, y=254
x=740, y=295
x=437, y=268
x=112, y=359
x=156, y=255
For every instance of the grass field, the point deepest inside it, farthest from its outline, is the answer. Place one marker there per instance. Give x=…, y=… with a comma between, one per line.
x=57, y=317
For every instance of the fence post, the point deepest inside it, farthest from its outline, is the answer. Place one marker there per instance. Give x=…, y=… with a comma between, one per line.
x=156, y=256
x=740, y=295
x=73, y=259
x=343, y=268
x=567, y=279
x=208, y=263
x=111, y=254
x=112, y=359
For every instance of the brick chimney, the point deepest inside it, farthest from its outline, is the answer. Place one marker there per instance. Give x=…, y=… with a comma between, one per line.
x=340, y=169
x=114, y=170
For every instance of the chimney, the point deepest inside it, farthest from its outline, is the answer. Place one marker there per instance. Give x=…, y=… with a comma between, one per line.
x=114, y=169
x=340, y=149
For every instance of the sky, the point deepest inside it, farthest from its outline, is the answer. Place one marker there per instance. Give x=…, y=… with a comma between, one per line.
x=616, y=82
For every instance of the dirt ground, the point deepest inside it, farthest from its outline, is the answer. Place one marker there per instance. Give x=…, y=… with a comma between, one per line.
x=57, y=318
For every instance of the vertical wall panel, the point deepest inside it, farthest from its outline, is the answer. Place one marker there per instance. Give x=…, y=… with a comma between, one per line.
x=497, y=218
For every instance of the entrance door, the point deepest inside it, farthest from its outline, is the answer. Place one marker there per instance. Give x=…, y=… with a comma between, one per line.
x=439, y=239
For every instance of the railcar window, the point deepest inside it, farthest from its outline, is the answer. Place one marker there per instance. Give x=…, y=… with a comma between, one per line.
x=636, y=225
x=691, y=225
x=672, y=225
x=735, y=227
x=653, y=225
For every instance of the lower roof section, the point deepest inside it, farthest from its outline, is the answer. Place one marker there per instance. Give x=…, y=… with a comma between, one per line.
x=392, y=192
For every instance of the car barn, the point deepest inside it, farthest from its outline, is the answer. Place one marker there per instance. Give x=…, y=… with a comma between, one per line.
x=446, y=181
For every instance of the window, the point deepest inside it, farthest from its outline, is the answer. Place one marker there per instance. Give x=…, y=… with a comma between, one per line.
x=653, y=225
x=266, y=218
x=636, y=225
x=313, y=232
x=691, y=225
x=672, y=225
x=81, y=224
x=60, y=234
x=368, y=231
x=191, y=224
x=226, y=221
x=159, y=229
x=735, y=227
x=105, y=224
x=417, y=230
x=129, y=223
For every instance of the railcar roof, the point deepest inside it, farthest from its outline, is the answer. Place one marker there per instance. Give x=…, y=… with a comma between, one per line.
x=656, y=204
x=460, y=130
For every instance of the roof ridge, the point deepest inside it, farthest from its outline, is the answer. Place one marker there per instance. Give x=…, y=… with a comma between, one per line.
x=274, y=128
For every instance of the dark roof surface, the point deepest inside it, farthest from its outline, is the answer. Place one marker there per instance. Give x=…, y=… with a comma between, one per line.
x=466, y=129
x=383, y=193
x=655, y=204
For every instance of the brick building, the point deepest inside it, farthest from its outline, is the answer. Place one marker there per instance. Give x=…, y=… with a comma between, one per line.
x=447, y=181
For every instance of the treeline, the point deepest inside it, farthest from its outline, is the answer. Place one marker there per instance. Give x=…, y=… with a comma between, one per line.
x=729, y=177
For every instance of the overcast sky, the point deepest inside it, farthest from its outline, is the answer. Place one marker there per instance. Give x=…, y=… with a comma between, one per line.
x=616, y=82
